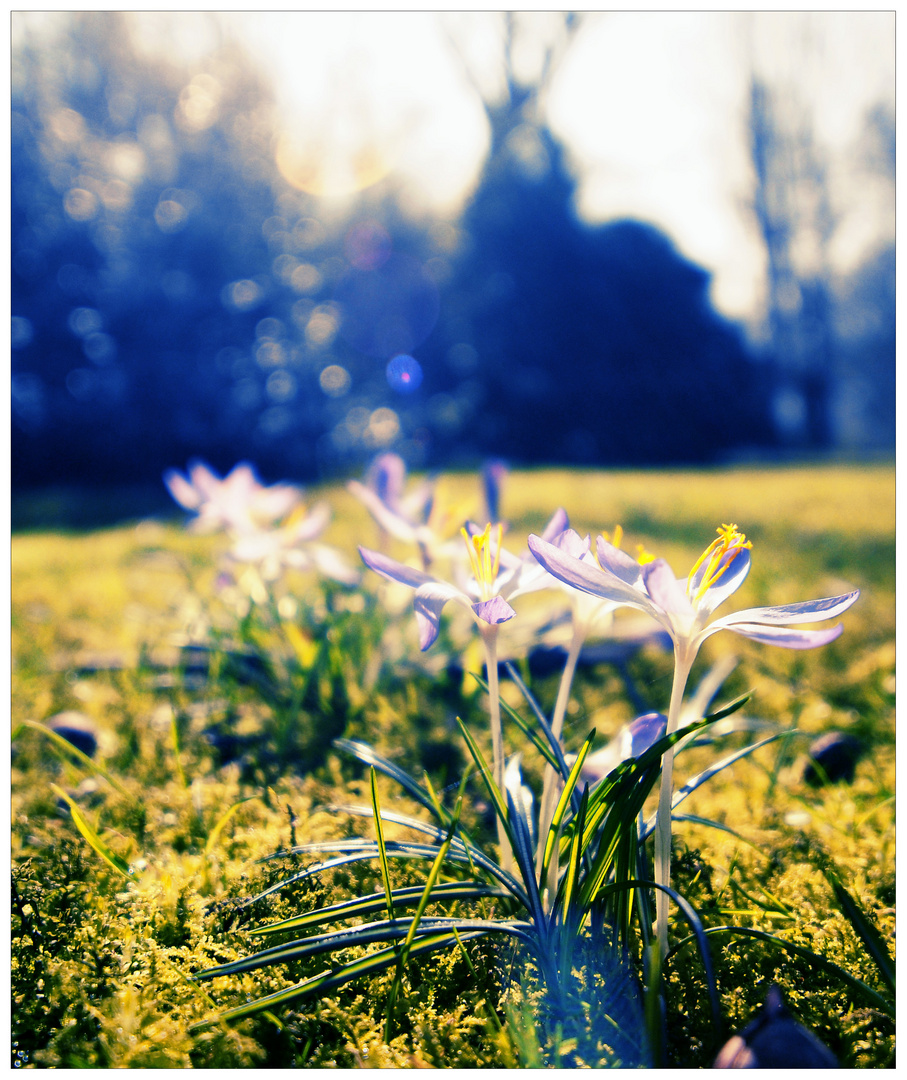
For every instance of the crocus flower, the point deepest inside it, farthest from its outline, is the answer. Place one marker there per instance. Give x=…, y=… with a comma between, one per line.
x=237, y=503
x=496, y=577
x=412, y=516
x=685, y=610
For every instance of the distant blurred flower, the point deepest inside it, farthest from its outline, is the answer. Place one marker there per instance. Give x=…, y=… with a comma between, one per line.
x=632, y=740
x=494, y=473
x=290, y=545
x=238, y=503
x=413, y=516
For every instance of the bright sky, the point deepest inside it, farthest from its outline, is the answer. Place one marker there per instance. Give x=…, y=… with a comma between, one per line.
x=650, y=104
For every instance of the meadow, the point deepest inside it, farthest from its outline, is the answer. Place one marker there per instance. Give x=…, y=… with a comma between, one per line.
x=213, y=699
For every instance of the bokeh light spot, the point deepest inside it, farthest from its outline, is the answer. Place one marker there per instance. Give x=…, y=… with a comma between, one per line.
x=83, y=321
x=322, y=327
x=404, y=373
x=368, y=245
x=270, y=354
x=383, y=428
x=81, y=383
x=334, y=380
x=280, y=386
x=305, y=278
x=100, y=348
x=242, y=295
x=170, y=215
x=80, y=204
x=21, y=332
x=319, y=166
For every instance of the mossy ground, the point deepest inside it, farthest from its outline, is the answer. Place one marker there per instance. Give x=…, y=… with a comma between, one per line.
x=100, y=961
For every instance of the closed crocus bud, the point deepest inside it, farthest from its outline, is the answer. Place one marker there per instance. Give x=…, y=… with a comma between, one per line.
x=774, y=1040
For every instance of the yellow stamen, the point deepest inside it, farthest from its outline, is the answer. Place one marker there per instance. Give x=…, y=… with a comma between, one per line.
x=730, y=540
x=484, y=564
x=615, y=537
x=643, y=556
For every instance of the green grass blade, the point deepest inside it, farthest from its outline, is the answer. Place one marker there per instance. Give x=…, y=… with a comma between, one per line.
x=214, y=835
x=497, y=798
x=864, y=929
x=382, y=850
x=731, y=707
x=564, y=801
x=368, y=756
x=74, y=752
x=368, y=905
x=323, y=984
x=110, y=857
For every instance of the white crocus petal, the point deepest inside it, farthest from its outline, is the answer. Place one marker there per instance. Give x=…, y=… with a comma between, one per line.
x=389, y=520
x=181, y=490
x=729, y=582
x=586, y=576
x=312, y=524
x=429, y=602
x=805, y=611
x=618, y=562
x=332, y=564
x=784, y=636
x=666, y=591
x=393, y=570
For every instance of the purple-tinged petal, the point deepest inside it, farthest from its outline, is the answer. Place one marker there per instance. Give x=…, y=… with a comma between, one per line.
x=618, y=562
x=393, y=570
x=665, y=590
x=558, y=523
x=782, y=635
x=494, y=611
x=181, y=490
x=806, y=611
x=584, y=575
x=429, y=602
x=729, y=582
x=387, y=478
x=571, y=543
x=645, y=731
x=388, y=519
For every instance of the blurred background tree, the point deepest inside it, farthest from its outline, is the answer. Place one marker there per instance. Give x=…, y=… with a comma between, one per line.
x=180, y=287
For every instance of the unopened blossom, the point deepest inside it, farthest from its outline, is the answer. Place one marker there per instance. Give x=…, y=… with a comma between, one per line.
x=237, y=503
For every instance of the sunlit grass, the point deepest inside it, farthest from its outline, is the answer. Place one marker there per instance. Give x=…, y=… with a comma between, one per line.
x=97, y=623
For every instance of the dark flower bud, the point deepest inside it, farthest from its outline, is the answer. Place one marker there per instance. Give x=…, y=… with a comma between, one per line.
x=774, y=1040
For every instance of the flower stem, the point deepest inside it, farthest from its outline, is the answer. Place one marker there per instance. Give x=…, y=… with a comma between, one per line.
x=683, y=662
x=551, y=785
x=490, y=641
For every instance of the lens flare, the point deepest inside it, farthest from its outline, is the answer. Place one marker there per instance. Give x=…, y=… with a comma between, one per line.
x=404, y=374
